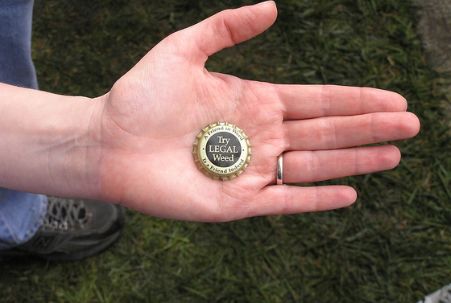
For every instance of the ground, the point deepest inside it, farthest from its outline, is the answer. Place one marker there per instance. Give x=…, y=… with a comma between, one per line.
x=393, y=245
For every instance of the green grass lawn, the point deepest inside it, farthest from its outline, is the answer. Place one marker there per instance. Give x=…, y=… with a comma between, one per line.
x=393, y=245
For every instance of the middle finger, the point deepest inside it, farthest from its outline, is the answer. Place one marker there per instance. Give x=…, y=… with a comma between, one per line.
x=349, y=131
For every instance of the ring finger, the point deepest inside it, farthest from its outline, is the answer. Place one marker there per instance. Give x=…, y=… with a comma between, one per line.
x=312, y=166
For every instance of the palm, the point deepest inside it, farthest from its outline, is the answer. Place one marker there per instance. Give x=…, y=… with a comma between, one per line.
x=152, y=115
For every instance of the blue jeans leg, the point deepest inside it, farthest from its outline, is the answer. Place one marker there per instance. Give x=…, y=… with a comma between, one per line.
x=21, y=214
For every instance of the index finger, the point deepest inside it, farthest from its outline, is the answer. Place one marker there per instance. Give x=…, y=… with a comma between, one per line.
x=312, y=101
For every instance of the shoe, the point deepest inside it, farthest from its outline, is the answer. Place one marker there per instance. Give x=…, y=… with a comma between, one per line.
x=73, y=230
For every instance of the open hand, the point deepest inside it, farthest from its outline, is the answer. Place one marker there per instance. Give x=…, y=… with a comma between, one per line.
x=148, y=122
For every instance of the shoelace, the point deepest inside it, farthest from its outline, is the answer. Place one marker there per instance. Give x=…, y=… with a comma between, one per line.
x=63, y=215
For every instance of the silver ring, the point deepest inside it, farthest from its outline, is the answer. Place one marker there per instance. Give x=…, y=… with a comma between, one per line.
x=279, y=174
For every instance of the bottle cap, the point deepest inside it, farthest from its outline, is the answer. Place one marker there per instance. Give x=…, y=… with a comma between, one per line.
x=222, y=151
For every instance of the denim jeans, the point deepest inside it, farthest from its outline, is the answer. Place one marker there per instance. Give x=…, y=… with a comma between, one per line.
x=21, y=214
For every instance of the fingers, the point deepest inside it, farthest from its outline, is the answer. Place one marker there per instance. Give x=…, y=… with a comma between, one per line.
x=225, y=29
x=308, y=166
x=342, y=132
x=311, y=101
x=285, y=199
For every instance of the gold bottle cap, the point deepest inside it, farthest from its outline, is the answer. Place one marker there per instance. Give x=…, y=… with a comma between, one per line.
x=222, y=151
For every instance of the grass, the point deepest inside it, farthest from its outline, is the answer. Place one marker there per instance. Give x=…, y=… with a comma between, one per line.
x=394, y=245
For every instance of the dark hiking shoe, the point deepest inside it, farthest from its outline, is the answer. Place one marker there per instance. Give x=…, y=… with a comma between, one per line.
x=73, y=230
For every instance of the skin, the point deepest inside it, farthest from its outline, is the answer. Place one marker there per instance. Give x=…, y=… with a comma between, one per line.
x=133, y=145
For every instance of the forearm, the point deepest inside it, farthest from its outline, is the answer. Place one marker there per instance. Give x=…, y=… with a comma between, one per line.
x=48, y=143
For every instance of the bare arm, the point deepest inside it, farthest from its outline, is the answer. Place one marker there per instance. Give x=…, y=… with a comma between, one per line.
x=133, y=145
x=47, y=143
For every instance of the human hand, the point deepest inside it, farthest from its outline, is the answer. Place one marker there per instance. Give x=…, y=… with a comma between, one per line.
x=148, y=122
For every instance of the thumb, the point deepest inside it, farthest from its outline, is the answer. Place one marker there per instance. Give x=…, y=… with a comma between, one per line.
x=225, y=29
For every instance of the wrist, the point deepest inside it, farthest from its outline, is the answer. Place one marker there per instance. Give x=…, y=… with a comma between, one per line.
x=49, y=142
x=75, y=150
